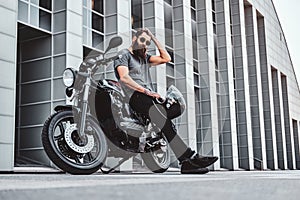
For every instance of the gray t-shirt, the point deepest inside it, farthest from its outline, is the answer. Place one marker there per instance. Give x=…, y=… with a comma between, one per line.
x=138, y=69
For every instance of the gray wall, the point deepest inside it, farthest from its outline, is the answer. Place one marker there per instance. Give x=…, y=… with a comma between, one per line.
x=8, y=41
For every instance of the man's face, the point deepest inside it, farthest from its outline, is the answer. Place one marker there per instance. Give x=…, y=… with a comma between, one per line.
x=141, y=44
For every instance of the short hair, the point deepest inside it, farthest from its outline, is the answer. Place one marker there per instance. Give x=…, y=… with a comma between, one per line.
x=140, y=32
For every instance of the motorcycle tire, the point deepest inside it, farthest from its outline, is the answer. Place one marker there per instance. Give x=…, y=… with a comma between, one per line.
x=62, y=155
x=157, y=161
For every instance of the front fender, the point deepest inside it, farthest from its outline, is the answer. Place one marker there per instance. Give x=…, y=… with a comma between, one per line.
x=63, y=107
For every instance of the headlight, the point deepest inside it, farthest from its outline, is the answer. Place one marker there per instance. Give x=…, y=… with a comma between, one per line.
x=69, y=77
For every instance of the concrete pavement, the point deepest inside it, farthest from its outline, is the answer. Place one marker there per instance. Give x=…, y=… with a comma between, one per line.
x=136, y=186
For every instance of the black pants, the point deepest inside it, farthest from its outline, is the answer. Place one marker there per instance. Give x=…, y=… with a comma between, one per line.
x=147, y=106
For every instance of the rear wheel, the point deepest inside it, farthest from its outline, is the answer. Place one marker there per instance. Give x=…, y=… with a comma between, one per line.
x=158, y=159
x=67, y=151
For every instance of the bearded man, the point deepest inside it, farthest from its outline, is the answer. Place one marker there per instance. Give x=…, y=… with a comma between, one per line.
x=132, y=70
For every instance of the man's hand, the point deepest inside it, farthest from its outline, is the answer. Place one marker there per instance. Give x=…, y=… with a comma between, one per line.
x=149, y=33
x=152, y=94
x=164, y=56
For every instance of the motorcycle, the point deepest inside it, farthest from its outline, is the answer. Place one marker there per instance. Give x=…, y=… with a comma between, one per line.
x=99, y=123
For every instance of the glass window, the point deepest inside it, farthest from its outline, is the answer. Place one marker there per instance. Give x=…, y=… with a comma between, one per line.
x=111, y=7
x=170, y=70
x=59, y=43
x=168, y=1
x=97, y=40
x=36, y=2
x=97, y=22
x=168, y=25
x=136, y=17
x=39, y=69
x=195, y=41
x=47, y=4
x=45, y=20
x=148, y=10
x=23, y=11
x=97, y=5
x=193, y=4
x=59, y=4
x=93, y=23
x=170, y=81
x=32, y=95
x=213, y=6
x=193, y=14
x=59, y=64
x=59, y=21
x=34, y=15
x=111, y=24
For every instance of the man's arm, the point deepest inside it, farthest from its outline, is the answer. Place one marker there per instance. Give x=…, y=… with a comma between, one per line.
x=126, y=79
x=163, y=57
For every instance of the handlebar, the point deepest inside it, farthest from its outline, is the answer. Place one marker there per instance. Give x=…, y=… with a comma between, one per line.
x=103, y=61
x=95, y=62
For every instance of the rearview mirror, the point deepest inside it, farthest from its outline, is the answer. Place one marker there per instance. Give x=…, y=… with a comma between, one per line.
x=114, y=42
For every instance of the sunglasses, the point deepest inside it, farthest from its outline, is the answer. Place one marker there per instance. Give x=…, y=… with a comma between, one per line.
x=143, y=40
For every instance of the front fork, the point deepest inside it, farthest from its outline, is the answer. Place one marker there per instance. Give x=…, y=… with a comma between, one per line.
x=85, y=98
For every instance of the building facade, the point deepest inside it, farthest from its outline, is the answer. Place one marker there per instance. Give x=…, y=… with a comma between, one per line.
x=229, y=58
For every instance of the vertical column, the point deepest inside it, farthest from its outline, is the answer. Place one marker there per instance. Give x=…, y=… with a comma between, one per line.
x=242, y=97
x=259, y=137
x=123, y=28
x=290, y=150
x=190, y=100
x=296, y=143
x=123, y=20
x=74, y=51
x=8, y=41
x=155, y=20
x=257, y=123
x=280, y=140
x=207, y=74
x=283, y=133
x=268, y=109
x=227, y=110
x=183, y=60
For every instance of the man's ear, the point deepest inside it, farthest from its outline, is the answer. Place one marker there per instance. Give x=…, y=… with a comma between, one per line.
x=134, y=38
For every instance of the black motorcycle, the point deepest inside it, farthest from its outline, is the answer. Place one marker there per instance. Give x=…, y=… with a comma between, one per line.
x=100, y=123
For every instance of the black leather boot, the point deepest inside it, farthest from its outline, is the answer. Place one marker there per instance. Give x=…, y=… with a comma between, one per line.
x=197, y=164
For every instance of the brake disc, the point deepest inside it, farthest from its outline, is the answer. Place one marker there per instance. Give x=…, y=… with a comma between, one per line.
x=71, y=129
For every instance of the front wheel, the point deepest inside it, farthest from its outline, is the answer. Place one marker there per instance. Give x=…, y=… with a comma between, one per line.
x=158, y=160
x=67, y=151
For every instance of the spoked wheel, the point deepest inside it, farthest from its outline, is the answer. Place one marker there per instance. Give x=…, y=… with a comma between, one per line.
x=67, y=150
x=158, y=158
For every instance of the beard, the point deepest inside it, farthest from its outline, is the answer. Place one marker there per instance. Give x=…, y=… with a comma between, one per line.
x=139, y=51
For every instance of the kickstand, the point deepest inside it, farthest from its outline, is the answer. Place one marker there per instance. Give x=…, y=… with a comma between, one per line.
x=113, y=168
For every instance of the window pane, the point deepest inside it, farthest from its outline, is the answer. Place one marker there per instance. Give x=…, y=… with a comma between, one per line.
x=23, y=11
x=59, y=4
x=97, y=22
x=168, y=1
x=47, y=4
x=97, y=41
x=98, y=6
x=35, y=92
x=193, y=3
x=34, y=16
x=45, y=20
x=35, y=70
x=59, y=22
x=36, y=2
x=136, y=9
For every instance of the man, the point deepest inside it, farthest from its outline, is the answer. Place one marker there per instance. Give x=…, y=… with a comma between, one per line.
x=132, y=70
